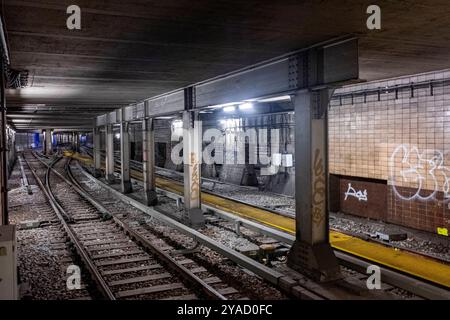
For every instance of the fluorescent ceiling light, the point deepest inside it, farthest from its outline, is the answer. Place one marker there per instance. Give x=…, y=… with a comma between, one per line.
x=117, y=135
x=229, y=109
x=274, y=99
x=246, y=106
x=222, y=105
x=163, y=117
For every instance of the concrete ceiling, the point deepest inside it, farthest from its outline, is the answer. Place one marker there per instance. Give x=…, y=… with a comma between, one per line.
x=130, y=50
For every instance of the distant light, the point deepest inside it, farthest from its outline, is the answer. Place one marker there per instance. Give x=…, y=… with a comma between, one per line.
x=229, y=109
x=164, y=117
x=216, y=106
x=274, y=99
x=246, y=106
x=177, y=123
x=230, y=123
x=117, y=135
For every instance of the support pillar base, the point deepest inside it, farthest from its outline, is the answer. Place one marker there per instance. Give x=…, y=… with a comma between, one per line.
x=316, y=261
x=110, y=178
x=97, y=173
x=194, y=218
x=126, y=187
x=151, y=198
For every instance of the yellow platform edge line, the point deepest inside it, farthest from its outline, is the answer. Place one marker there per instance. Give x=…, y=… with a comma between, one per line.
x=404, y=261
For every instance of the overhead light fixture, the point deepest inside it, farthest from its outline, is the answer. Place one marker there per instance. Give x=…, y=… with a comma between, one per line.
x=216, y=106
x=164, y=118
x=117, y=135
x=177, y=123
x=246, y=106
x=229, y=109
x=275, y=99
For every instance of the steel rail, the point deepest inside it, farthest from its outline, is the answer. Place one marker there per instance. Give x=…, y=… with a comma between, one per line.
x=137, y=165
x=170, y=262
x=106, y=291
x=283, y=282
x=24, y=176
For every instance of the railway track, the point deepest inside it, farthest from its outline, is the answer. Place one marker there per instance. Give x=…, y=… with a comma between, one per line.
x=412, y=284
x=54, y=255
x=123, y=263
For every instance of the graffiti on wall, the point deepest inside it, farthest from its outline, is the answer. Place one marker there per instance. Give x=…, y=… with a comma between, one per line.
x=318, y=196
x=423, y=172
x=360, y=195
x=195, y=187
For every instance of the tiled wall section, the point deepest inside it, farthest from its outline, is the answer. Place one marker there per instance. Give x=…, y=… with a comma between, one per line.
x=363, y=198
x=404, y=140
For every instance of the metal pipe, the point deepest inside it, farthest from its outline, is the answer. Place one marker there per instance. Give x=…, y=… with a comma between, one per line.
x=3, y=147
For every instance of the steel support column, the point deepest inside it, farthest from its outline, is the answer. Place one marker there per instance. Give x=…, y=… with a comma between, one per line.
x=44, y=141
x=48, y=141
x=148, y=155
x=125, y=157
x=74, y=141
x=312, y=252
x=192, y=153
x=3, y=151
x=109, y=151
x=97, y=154
x=77, y=141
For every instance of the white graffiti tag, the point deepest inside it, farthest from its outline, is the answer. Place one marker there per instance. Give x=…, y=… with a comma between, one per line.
x=424, y=173
x=360, y=195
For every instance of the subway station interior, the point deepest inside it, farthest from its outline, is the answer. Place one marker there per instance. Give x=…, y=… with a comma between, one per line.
x=225, y=150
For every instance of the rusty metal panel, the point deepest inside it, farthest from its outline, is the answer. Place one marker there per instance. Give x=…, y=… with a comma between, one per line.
x=139, y=111
x=340, y=62
x=259, y=81
x=166, y=104
x=101, y=120
x=320, y=65
x=128, y=113
x=112, y=117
